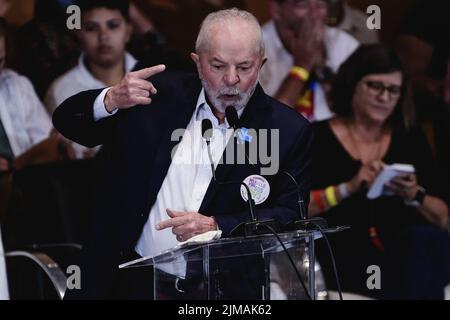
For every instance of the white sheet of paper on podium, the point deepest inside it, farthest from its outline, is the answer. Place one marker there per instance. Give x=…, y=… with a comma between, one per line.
x=389, y=172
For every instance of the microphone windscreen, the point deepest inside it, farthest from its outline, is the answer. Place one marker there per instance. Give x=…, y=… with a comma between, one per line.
x=207, y=132
x=232, y=117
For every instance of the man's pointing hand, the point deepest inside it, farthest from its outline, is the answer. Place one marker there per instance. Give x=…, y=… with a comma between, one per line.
x=133, y=89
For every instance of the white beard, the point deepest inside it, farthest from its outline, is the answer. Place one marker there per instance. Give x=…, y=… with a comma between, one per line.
x=242, y=98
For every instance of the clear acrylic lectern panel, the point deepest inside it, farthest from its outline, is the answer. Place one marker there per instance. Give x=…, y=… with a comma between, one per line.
x=255, y=268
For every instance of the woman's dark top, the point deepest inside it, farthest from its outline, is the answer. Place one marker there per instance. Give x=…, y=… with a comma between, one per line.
x=354, y=250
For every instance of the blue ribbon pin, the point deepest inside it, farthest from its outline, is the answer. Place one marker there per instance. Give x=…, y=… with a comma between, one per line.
x=243, y=136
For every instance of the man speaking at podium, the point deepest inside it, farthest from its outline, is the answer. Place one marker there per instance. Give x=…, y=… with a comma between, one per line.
x=149, y=202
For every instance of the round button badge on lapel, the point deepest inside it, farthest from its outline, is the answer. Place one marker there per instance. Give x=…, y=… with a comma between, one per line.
x=259, y=188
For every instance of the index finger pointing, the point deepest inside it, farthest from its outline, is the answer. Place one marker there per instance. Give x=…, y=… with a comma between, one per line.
x=148, y=72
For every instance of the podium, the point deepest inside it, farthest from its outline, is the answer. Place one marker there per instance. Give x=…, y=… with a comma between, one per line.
x=245, y=268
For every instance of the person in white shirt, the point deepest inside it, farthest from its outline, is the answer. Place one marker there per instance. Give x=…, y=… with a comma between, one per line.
x=104, y=34
x=302, y=53
x=23, y=123
x=23, y=120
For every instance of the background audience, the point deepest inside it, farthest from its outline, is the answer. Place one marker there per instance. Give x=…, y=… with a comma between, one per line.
x=45, y=47
x=104, y=34
x=23, y=120
x=405, y=230
x=303, y=53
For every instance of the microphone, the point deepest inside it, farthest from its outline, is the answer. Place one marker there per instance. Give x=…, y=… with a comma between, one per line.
x=207, y=134
x=250, y=201
x=232, y=117
x=300, y=202
x=207, y=130
x=249, y=228
x=304, y=222
x=234, y=122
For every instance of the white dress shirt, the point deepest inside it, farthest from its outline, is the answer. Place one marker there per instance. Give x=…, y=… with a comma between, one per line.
x=339, y=46
x=187, y=179
x=23, y=115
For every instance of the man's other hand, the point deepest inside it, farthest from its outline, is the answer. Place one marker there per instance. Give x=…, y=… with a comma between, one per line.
x=186, y=225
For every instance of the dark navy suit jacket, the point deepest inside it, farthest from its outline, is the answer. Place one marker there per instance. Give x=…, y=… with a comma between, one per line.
x=138, y=154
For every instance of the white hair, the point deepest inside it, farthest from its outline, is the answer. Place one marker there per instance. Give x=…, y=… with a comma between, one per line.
x=227, y=16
